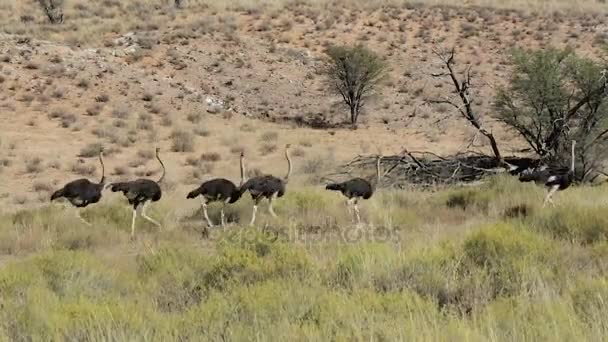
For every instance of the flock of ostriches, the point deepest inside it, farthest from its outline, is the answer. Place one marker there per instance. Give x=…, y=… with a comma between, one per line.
x=141, y=192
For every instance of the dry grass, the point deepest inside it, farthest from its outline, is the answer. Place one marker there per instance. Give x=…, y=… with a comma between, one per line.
x=416, y=269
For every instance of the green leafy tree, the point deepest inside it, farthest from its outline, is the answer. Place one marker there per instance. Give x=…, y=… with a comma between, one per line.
x=354, y=73
x=553, y=97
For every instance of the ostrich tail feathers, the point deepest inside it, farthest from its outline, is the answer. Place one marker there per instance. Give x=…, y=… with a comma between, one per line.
x=334, y=186
x=57, y=194
x=194, y=193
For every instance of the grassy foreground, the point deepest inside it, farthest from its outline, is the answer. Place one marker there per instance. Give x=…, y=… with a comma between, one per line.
x=478, y=264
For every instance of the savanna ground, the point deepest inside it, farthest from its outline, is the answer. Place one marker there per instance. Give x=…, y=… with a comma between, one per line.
x=475, y=263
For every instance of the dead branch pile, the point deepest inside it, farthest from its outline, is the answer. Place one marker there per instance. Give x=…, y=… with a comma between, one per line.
x=427, y=169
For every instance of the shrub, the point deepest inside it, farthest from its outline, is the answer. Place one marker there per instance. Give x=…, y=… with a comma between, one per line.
x=182, y=141
x=269, y=137
x=266, y=149
x=313, y=165
x=194, y=117
x=53, y=10
x=33, y=165
x=91, y=150
x=469, y=199
x=211, y=157
x=578, y=224
x=83, y=169
x=146, y=154
x=503, y=253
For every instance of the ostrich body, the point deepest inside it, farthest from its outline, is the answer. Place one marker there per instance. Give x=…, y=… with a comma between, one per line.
x=267, y=186
x=82, y=192
x=357, y=188
x=555, y=179
x=219, y=189
x=141, y=192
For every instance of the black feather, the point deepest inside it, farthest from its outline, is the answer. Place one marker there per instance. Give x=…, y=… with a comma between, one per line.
x=218, y=189
x=548, y=176
x=263, y=186
x=138, y=191
x=80, y=192
x=356, y=187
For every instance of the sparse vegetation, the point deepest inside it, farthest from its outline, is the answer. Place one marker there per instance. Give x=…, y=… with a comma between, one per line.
x=482, y=262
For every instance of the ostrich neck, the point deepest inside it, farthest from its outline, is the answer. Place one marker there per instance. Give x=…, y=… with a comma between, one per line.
x=288, y=165
x=162, y=176
x=242, y=170
x=378, y=171
x=103, y=170
x=572, y=160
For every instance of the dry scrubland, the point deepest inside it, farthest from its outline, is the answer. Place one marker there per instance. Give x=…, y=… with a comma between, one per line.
x=463, y=264
x=475, y=263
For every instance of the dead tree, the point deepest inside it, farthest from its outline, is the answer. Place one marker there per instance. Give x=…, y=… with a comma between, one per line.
x=426, y=169
x=463, y=102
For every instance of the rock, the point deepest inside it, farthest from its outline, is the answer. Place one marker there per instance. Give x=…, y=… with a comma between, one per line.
x=214, y=106
x=131, y=50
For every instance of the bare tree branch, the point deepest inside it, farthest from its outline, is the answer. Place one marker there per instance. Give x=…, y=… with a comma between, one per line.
x=462, y=90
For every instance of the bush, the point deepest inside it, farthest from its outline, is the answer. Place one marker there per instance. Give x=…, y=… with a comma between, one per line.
x=577, y=224
x=504, y=252
x=469, y=199
x=248, y=256
x=33, y=165
x=53, y=9
x=173, y=276
x=91, y=150
x=182, y=141
x=211, y=157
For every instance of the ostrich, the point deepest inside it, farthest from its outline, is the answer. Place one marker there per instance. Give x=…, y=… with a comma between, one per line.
x=141, y=192
x=267, y=186
x=554, y=179
x=219, y=189
x=82, y=192
x=357, y=188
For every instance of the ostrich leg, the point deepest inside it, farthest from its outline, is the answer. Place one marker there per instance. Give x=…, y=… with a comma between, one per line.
x=77, y=212
x=133, y=221
x=349, y=208
x=357, y=210
x=270, y=209
x=204, y=205
x=143, y=214
x=223, y=215
x=548, y=198
x=255, y=210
